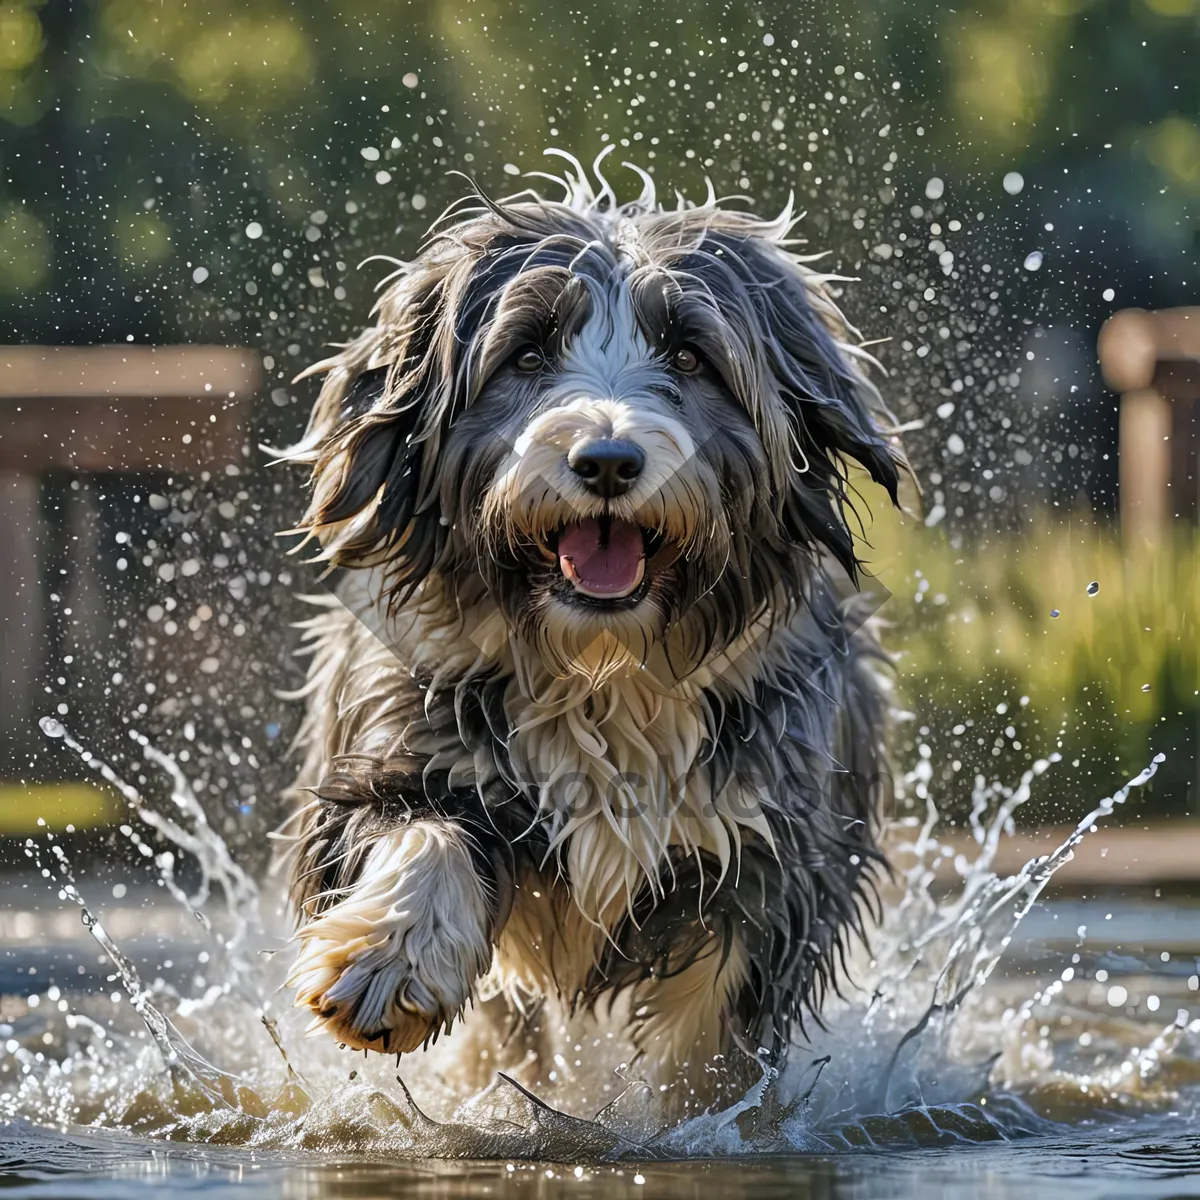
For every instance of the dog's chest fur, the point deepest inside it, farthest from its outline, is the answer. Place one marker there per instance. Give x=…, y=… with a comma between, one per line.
x=615, y=770
x=612, y=770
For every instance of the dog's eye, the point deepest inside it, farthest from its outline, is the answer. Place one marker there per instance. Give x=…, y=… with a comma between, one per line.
x=529, y=359
x=686, y=360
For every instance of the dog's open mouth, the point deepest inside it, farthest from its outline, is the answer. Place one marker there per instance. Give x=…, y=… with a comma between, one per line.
x=602, y=558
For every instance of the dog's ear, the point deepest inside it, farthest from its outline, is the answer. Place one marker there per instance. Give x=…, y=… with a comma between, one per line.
x=377, y=430
x=834, y=414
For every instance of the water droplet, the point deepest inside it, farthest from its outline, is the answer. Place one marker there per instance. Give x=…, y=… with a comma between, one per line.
x=1109, y=294
x=1093, y=587
x=52, y=728
x=200, y=274
x=934, y=188
x=1014, y=181
x=1054, y=612
x=1145, y=687
x=1033, y=261
x=254, y=230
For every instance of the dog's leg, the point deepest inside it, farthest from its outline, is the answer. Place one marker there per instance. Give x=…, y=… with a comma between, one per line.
x=396, y=926
x=684, y=1020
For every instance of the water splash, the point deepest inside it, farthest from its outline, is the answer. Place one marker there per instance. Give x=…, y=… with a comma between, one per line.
x=898, y=1063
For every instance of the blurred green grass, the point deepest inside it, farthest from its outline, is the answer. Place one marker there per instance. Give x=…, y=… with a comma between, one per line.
x=59, y=805
x=994, y=678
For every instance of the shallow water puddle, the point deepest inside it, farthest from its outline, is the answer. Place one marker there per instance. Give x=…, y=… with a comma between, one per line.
x=963, y=1047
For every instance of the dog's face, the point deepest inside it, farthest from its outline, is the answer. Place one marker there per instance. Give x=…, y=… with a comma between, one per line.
x=625, y=426
x=611, y=477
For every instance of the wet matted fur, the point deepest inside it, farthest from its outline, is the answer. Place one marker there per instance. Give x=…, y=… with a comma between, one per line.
x=589, y=716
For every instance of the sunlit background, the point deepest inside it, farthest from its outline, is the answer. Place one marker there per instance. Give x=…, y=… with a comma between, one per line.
x=998, y=179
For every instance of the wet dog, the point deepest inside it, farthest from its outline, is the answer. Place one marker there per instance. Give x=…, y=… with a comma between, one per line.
x=589, y=715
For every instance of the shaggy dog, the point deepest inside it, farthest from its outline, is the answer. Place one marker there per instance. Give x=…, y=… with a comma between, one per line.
x=589, y=716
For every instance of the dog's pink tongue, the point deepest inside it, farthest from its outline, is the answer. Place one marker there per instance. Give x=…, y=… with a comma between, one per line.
x=603, y=569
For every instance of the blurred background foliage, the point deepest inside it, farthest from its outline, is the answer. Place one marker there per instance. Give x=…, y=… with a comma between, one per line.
x=1055, y=641
x=999, y=176
x=137, y=137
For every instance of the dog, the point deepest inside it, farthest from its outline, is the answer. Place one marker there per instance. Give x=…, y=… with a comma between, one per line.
x=589, y=715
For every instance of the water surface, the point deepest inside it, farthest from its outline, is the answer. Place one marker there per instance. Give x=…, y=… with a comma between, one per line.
x=997, y=1039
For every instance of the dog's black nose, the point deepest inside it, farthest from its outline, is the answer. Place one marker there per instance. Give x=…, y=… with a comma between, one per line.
x=609, y=468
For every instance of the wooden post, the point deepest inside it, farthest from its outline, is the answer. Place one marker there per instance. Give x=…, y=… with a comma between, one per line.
x=1144, y=466
x=1148, y=358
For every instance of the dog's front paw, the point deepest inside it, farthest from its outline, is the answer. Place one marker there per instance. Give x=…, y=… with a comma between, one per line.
x=394, y=961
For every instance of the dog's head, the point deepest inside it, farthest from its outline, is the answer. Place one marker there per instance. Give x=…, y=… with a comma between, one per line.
x=621, y=423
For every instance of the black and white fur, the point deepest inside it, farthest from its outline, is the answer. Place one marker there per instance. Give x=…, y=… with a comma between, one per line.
x=668, y=796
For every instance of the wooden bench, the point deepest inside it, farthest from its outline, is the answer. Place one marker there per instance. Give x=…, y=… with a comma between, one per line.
x=72, y=413
x=123, y=408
